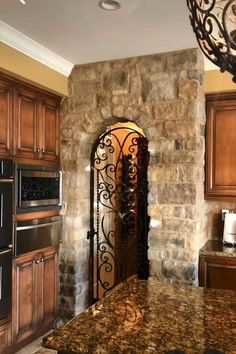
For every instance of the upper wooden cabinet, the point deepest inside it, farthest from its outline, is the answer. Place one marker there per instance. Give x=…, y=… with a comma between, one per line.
x=6, y=118
x=221, y=147
x=49, y=129
x=29, y=122
x=26, y=133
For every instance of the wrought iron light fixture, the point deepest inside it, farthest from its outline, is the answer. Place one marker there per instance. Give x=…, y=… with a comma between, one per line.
x=214, y=23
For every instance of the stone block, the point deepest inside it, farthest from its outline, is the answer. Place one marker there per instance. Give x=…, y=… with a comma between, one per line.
x=179, y=225
x=151, y=64
x=159, y=87
x=181, y=129
x=196, y=110
x=164, y=111
x=116, y=82
x=189, y=90
x=184, y=60
x=178, y=270
x=181, y=156
x=176, y=193
x=154, y=133
x=86, y=72
x=81, y=103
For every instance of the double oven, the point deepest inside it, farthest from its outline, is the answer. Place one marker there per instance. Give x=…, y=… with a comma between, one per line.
x=26, y=189
x=37, y=188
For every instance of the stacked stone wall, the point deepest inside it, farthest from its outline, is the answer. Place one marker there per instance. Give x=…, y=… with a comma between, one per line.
x=163, y=95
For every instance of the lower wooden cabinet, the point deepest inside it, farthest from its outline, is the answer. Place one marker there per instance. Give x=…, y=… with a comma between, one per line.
x=5, y=337
x=217, y=272
x=35, y=294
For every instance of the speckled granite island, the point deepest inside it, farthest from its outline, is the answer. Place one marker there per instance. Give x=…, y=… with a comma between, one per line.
x=152, y=317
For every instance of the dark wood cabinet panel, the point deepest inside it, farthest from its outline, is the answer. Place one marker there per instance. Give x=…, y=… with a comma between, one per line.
x=221, y=147
x=26, y=123
x=217, y=272
x=6, y=118
x=49, y=136
x=49, y=287
x=35, y=294
x=24, y=297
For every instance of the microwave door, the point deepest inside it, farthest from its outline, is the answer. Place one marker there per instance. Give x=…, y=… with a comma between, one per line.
x=6, y=211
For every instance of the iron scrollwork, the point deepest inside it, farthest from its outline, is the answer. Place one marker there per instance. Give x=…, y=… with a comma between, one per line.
x=119, y=220
x=214, y=23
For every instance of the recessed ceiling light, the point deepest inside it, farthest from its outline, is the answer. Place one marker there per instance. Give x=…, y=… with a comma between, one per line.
x=109, y=5
x=23, y=2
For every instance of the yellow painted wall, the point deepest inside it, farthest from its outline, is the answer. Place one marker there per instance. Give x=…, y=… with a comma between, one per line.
x=215, y=81
x=23, y=66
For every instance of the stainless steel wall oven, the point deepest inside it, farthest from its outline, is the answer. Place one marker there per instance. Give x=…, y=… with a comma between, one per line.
x=37, y=188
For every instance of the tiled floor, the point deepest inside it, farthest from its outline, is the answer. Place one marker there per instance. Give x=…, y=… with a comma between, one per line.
x=35, y=347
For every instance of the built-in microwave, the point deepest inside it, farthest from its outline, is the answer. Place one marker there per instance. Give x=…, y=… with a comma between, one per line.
x=38, y=187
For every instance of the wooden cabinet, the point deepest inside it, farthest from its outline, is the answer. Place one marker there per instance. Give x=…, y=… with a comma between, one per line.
x=217, y=272
x=35, y=293
x=6, y=118
x=49, y=141
x=26, y=138
x=221, y=147
x=5, y=338
x=29, y=122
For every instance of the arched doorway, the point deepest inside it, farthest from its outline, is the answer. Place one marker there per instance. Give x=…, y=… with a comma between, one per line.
x=119, y=221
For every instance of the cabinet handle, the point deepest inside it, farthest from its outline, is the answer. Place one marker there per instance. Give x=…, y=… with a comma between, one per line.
x=42, y=260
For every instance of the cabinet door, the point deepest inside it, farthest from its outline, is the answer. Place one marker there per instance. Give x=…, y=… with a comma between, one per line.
x=26, y=143
x=6, y=118
x=24, y=314
x=217, y=272
x=5, y=337
x=49, y=135
x=48, y=287
x=221, y=148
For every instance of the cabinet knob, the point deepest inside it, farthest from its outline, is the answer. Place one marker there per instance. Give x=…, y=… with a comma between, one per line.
x=43, y=151
x=37, y=262
x=42, y=260
x=38, y=150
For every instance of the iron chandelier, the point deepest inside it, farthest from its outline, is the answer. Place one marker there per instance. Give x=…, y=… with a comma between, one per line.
x=214, y=23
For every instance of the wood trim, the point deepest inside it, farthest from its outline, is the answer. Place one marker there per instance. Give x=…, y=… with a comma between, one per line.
x=26, y=84
x=35, y=215
x=220, y=96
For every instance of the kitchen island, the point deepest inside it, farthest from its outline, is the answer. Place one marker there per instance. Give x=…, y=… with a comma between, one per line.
x=152, y=317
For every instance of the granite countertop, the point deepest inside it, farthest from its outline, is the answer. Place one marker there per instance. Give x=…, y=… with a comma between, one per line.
x=217, y=248
x=152, y=317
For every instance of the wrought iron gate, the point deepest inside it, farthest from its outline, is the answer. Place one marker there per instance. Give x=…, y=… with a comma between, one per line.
x=119, y=221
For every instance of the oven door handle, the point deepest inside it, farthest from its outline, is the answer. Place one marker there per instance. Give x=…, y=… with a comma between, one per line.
x=30, y=227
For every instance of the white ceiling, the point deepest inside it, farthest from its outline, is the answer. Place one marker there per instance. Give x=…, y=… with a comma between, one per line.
x=80, y=32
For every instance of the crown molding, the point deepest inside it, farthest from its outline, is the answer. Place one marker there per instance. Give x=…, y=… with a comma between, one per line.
x=24, y=44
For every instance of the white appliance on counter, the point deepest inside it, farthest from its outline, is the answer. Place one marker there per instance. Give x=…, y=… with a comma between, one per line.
x=229, y=235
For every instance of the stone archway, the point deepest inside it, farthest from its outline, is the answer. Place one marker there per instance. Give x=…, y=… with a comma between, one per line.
x=163, y=95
